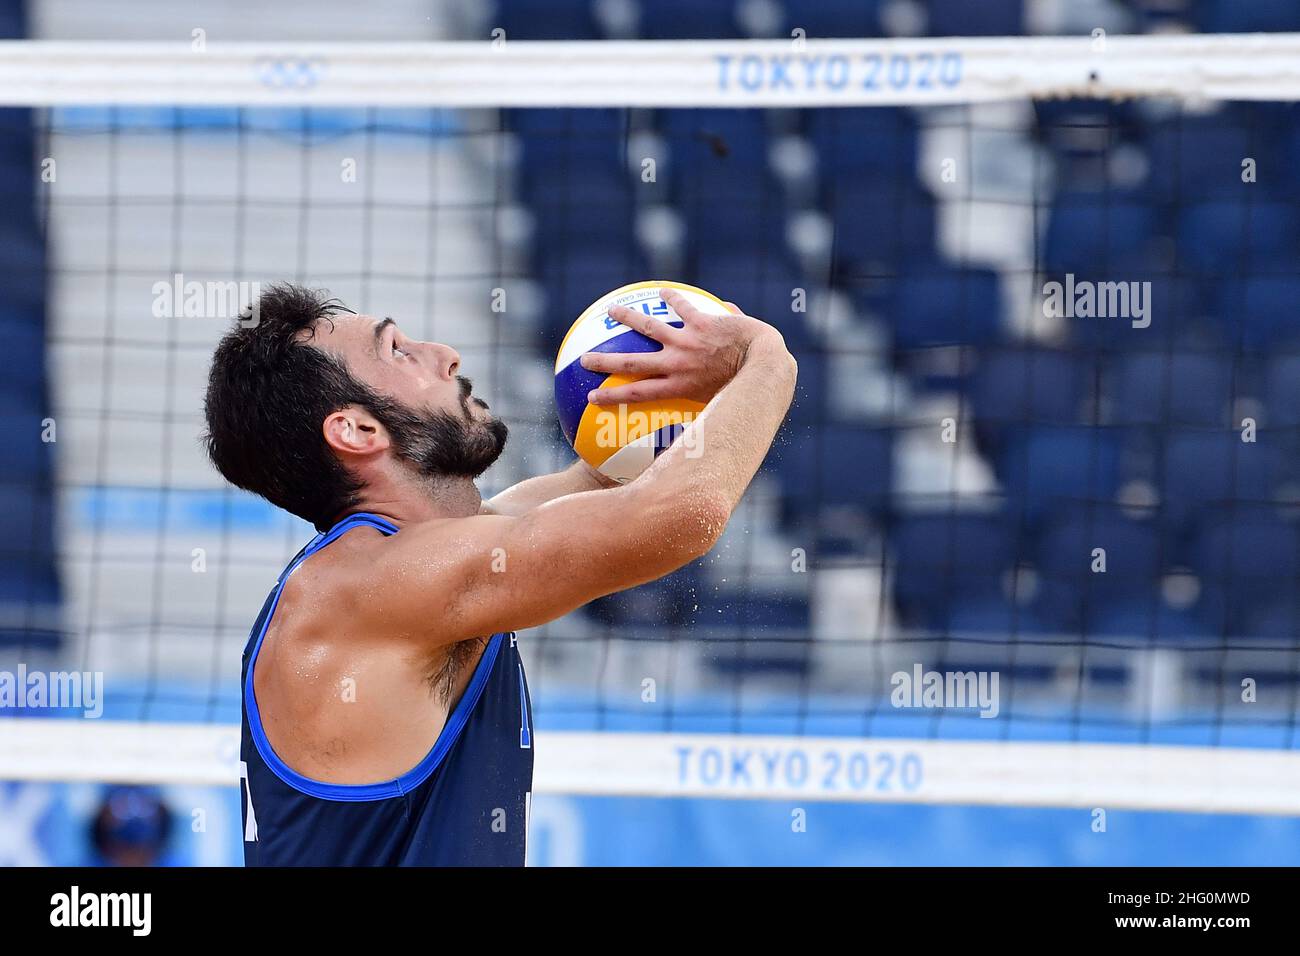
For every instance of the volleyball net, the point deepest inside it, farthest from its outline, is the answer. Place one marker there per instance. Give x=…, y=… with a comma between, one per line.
x=1028, y=537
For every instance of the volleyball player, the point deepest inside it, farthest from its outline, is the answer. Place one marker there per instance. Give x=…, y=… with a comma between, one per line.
x=386, y=717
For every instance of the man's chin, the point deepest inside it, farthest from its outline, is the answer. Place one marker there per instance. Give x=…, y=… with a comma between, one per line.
x=477, y=410
x=499, y=432
x=494, y=436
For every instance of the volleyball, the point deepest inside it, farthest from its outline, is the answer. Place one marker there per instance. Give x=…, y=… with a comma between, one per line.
x=621, y=441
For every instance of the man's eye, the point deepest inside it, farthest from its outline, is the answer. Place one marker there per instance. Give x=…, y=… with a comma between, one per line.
x=397, y=351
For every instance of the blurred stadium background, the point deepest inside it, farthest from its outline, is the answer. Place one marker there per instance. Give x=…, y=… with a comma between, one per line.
x=903, y=251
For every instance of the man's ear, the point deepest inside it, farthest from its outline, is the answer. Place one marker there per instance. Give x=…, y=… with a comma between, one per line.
x=354, y=431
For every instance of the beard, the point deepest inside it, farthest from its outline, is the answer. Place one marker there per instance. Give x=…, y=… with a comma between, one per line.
x=439, y=444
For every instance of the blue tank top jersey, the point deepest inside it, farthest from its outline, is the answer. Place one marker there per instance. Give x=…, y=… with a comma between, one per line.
x=465, y=804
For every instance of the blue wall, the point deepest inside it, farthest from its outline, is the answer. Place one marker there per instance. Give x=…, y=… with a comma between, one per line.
x=29, y=589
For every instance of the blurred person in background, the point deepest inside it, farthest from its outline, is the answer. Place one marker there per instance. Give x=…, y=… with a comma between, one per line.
x=131, y=828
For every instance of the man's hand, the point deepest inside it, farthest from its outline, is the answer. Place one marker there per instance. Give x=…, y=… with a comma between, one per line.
x=696, y=361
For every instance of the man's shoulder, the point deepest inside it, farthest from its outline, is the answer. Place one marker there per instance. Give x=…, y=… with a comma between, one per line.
x=343, y=556
x=383, y=588
x=339, y=582
x=327, y=586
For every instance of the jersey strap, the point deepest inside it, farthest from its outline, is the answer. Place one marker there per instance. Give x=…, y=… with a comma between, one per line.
x=369, y=791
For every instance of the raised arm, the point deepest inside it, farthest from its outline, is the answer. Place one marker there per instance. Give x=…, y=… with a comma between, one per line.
x=532, y=492
x=460, y=578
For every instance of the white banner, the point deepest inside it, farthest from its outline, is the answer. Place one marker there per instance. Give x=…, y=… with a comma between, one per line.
x=1012, y=773
x=696, y=73
x=118, y=751
x=737, y=766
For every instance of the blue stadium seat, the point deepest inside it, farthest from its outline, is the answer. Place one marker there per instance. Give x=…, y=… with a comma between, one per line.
x=1074, y=596
x=750, y=224
x=26, y=511
x=1147, y=618
x=1177, y=311
x=689, y=20
x=742, y=629
x=25, y=458
x=545, y=19
x=1060, y=123
x=1272, y=620
x=561, y=149
x=810, y=392
x=837, y=465
x=1049, y=468
x=1185, y=388
x=566, y=122
x=1260, y=312
x=961, y=18
x=665, y=603
x=809, y=411
x=575, y=277
x=998, y=615
x=1257, y=16
x=880, y=225
x=939, y=304
x=35, y=586
x=752, y=611
x=943, y=561
x=602, y=209
x=761, y=286
x=1200, y=157
x=1246, y=558
x=855, y=145
x=1285, y=119
x=1204, y=469
x=834, y=18
x=22, y=329
x=566, y=178
x=1282, y=391
x=28, y=562
x=1091, y=232
x=709, y=137
x=732, y=211
x=1234, y=238
x=24, y=276
x=1084, y=137
x=1030, y=385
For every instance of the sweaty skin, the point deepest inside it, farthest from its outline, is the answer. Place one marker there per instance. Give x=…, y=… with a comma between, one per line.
x=375, y=638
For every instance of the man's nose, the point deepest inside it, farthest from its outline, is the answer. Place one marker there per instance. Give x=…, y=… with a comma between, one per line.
x=446, y=359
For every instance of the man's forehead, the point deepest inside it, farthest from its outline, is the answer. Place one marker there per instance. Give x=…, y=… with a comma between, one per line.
x=353, y=323
x=349, y=329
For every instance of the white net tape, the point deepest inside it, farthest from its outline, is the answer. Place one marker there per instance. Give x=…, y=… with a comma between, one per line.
x=794, y=73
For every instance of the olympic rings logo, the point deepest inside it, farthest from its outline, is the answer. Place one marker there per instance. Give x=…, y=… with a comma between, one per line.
x=289, y=73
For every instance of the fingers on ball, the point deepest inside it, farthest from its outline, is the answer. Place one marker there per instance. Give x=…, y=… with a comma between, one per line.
x=685, y=309
x=620, y=363
x=635, y=320
x=621, y=395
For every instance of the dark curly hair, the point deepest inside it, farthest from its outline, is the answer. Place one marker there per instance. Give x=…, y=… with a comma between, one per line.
x=269, y=390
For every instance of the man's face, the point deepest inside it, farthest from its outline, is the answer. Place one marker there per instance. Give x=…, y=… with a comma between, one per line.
x=435, y=423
